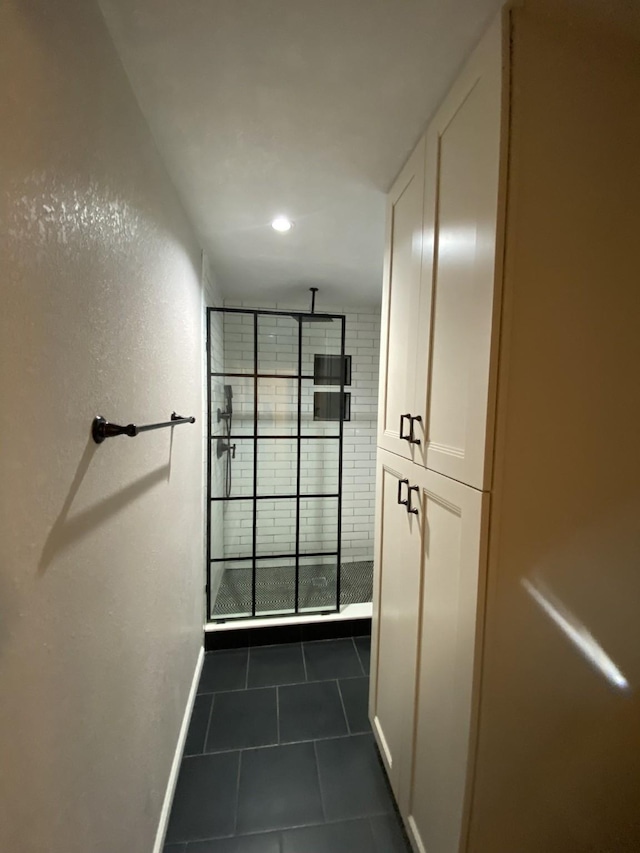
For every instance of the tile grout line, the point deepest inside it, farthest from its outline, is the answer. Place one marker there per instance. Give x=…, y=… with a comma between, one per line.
x=315, y=755
x=284, y=684
x=344, y=709
x=304, y=663
x=273, y=745
x=237, y=808
x=206, y=734
x=355, y=646
x=277, y=688
x=246, y=680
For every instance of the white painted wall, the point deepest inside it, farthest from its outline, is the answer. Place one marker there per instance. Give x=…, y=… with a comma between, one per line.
x=101, y=571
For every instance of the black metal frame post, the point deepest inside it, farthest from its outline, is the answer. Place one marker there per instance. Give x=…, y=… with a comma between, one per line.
x=254, y=557
x=298, y=469
x=254, y=546
x=209, y=458
x=340, y=450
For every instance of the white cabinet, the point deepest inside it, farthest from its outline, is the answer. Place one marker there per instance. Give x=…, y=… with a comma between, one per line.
x=399, y=332
x=504, y=672
x=440, y=299
x=396, y=597
x=440, y=315
x=430, y=552
x=460, y=297
x=452, y=557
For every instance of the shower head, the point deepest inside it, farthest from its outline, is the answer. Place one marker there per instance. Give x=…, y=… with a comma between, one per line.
x=312, y=317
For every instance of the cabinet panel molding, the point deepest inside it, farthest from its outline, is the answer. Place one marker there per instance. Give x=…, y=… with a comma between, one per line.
x=401, y=294
x=395, y=626
x=461, y=287
x=453, y=558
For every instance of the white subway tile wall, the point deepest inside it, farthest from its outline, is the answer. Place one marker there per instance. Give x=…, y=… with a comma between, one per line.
x=277, y=415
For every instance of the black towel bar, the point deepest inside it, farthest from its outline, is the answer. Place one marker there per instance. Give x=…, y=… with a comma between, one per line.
x=101, y=428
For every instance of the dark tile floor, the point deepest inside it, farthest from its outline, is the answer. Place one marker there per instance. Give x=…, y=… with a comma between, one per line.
x=280, y=757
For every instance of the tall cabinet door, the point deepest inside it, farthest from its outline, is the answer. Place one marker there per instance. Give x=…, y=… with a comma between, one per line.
x=435, y=797
x=459, y=307
x=395, y=615
x=401, y=293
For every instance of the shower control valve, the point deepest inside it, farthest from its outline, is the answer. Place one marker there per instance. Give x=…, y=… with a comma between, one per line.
x=224, y=447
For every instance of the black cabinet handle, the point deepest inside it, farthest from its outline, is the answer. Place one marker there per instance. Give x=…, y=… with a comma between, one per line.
x=400, y=484
x=411, y=509
x=402, y=435
x=412, y=420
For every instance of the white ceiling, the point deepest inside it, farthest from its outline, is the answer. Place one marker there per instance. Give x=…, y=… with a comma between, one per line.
x=302, y=107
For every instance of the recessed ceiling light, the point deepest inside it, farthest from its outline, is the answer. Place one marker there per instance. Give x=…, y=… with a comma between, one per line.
x=282, y=224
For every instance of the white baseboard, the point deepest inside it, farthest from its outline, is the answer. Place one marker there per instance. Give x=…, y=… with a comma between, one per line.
x=177, y=758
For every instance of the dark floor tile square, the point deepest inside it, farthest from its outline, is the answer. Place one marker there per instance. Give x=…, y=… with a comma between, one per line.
x=174, y=848
x=262, y=843
x=388, y=834
x=224, y=671
x=349, y=837
x=310, y=711
x=355, y=695
x=279, y=788
x=194, y=744
x=243, y=718
x=351, y=778
x=331, y=659
x=206, y=797
x=269, y=665
x=363, y=645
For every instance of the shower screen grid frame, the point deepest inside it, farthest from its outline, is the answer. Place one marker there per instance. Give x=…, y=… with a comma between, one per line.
x=256, y=375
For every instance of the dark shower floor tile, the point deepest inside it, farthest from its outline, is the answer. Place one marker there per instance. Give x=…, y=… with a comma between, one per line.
x=331, y=659
x=242, y=719
x=198, y=725
x=348, y=837
x=262, y=843
x=310, y=711
x=363, y=647
x=279, y=788
x=205, y=801
x=351, y=778
x=388, y=834
x=225, y=670
x=355, y=696
x=319, y=790
x=270, y=665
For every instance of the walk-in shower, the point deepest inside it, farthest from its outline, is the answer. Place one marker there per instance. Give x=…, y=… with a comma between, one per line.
x=279, y=398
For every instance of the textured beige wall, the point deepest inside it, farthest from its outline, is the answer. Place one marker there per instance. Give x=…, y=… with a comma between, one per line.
x=101, y=570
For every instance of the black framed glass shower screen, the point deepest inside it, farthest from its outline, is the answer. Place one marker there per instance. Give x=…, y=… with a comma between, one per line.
x=274, y=474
